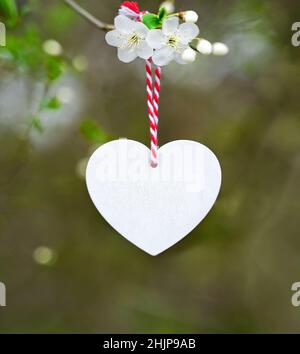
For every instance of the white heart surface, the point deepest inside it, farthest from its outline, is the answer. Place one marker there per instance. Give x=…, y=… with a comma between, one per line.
x=153, y=208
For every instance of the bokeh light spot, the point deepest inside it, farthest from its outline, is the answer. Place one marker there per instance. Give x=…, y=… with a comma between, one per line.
x=44, y=255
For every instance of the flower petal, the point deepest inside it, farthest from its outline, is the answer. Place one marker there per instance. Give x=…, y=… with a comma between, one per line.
x=114, y=38
x=124, y=25
x=188, y=31
x=144, y=51
x=141, y=29
x=170, y=25
x=178, y=59
x=156, y=39
x=126, y=56
x=163, y=56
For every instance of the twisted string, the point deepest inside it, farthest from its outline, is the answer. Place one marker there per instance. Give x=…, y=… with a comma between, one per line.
x=153, y=92
x=156, y=93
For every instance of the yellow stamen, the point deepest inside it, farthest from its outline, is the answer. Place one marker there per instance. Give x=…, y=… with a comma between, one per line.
x=133, y=40
x=172, y=41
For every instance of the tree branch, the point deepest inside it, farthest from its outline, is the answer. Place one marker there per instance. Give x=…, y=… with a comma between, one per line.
x=88, y=16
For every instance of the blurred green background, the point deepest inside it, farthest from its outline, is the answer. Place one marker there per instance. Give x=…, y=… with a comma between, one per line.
x=65, y=268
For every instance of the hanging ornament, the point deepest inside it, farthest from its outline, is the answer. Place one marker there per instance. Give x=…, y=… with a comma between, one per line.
x=154, y=197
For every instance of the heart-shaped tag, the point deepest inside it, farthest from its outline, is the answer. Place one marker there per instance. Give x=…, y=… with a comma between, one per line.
x=153, y=208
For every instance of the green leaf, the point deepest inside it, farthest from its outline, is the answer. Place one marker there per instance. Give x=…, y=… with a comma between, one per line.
x=9, y=12
x=151, y=21
x=93, y=132
x=26, y=49
x=51, y=103
x=162, y=13
x=54, y=68
x=36, y=123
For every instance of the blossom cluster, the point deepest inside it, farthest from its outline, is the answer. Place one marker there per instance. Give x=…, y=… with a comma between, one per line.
x=163, y=37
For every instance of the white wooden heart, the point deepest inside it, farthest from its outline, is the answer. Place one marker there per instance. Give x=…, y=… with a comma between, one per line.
x=153, y=208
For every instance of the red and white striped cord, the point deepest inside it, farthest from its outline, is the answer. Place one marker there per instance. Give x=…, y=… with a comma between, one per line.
x=153, y=92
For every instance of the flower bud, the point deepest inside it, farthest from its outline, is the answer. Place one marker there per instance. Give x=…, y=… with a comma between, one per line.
x=219, y=48
x=190, y=16
x=204, y=46
x=189, y=55
x=169, y=6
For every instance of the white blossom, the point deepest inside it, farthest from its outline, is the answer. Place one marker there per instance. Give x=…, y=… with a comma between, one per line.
x=171, y=41
x=219, y=48
x=189, y=55
x=130, y=39
x=190, y=16
x=169, y=6
x=204, y=46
